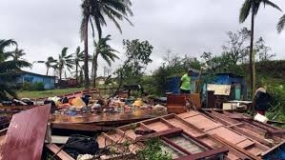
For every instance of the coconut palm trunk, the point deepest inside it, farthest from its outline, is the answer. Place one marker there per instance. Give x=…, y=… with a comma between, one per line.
x=60, y=74
x=95, y=67
x=47, y=70
x=252, y=83
x=86, y=57
x=76, y=73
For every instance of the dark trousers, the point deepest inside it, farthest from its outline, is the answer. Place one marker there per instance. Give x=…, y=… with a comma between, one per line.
x=182, y=91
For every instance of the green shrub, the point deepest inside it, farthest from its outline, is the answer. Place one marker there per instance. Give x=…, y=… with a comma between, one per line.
x=277, y=109
x=37, y=86
x=153, y=151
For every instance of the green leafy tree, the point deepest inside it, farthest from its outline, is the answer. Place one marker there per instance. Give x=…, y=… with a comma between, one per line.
x=253, y=7
x=137, y=58
x=108, y=54
x=263, y=51
x=10, y=70
x=64, y=61
x=78, y=57
x=50, y=63
x=94, y=12
x=173, y=65
x=281, y=23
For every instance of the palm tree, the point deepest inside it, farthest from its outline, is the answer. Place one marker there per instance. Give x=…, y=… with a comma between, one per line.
x=17, y=54
x=106, y=52
x=281, y=24
x=78, y=57
x=64, y=61
x=3, y=44
x=93, y=11
x=50, y=63
x=10, y=70
x=247, y=7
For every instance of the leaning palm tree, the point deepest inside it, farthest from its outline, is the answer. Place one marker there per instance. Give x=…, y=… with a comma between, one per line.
x=78, y=57
x=252, y=6
x=107, y=53
x=281, y=23
x=50, y=63
x=64, y=61
x=10, y=70
x=93, y=11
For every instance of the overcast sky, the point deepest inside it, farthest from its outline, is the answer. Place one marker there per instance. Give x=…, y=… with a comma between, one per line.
x=43, y=27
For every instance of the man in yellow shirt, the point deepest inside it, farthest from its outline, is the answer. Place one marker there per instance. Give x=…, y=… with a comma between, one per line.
x=185, y=82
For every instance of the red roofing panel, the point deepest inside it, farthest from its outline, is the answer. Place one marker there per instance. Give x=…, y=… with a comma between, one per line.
x=26, y=134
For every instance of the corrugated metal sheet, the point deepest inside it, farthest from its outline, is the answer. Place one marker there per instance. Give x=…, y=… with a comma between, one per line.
x=25, y=136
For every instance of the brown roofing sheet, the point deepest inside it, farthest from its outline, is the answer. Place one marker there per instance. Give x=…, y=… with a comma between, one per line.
x=253, y=131
x=26, y=133
x=229, y=135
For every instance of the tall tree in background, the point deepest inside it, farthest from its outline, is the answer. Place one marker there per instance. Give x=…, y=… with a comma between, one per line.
x=64, y=61
x=281, y=23
x=252, y=6
x=93, y=11
x=78, y=57
x=50, y=63
x=137, y=58
x=10, y=70
x=108, y=54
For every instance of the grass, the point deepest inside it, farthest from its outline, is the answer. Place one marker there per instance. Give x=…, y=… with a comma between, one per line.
x=47, y=93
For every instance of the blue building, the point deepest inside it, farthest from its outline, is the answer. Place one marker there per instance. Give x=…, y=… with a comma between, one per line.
x=236, y=81
x=48, y=81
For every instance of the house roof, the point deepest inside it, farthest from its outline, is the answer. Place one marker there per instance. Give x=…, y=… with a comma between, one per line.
x=37, y=74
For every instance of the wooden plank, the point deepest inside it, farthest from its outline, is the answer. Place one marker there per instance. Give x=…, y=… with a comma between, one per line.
x=236, y=147
x=159, y=134
x=239, y=127
x=59, y=153
x=273, y=148
x=26, y=134
x=244, y=144
x=81, y=127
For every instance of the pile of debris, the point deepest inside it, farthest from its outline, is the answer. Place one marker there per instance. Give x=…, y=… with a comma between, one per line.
x=193, y=134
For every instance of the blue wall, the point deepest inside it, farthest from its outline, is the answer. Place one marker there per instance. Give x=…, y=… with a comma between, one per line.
x=48, y=81
x=172, y=84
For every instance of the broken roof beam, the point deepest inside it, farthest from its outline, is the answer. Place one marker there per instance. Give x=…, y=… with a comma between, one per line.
x=81, y=127
x=197, y=133
x=237, y=126
x=58, y=152
x=236, y=147
x=160, y=134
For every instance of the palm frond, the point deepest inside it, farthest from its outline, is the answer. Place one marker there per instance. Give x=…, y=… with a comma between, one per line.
x=6, y=43
x=64, y=52
x=13, y=65
x=281, y=23
x=245, y=10
x=267, y=2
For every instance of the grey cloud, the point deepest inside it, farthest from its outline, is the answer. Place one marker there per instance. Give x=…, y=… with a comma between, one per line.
x=190, y=27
